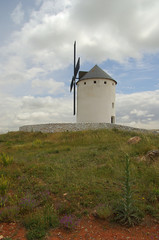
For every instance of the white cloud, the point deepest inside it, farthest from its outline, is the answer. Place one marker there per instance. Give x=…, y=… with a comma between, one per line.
x=104, y=29
x=47, y=86
x=138, y=109
x=107, y=30
x=138, y=113
x=18, y=14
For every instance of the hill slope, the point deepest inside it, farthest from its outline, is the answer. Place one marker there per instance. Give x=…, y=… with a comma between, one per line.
x=74, y=172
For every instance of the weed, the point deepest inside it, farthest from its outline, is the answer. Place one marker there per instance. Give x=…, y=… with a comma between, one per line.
x=35, y=226
x=27, y=204
x=126, y=213
x=3, y=185
x=9, y=214
x=153, y=196
x=50, y=217
x=156, y=193
x=102, y=211
x=69, y=222
x=38, y=224
x=5, y=160
x=150, y=210
x=64, y=208
x=43, y=197
x=37, y=143
x=3, y=200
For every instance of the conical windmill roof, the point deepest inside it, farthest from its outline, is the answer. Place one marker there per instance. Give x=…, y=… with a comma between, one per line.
x=96, y=72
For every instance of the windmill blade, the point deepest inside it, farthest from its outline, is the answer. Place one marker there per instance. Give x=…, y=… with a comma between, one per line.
x=74, y=99
x=72, y=82
x=77, y=68
x=74, y=56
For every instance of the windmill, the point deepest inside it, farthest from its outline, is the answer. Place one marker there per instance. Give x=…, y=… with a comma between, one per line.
x=73, y=82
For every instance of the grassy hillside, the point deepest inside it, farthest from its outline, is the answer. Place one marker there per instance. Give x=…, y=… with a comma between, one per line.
x=53, y=175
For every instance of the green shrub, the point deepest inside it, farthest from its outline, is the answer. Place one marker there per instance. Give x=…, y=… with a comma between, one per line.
x=150, y=209
x=37, y=224
x=36, y=233
x=102, y=211
x=37, y=143
x=9, y=214
x=5, y=160
x=50, y=217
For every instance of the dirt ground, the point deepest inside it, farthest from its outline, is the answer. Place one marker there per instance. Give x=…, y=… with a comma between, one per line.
x=90, y=228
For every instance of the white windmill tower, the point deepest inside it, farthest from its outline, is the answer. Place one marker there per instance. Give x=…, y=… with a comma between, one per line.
x=95, y=95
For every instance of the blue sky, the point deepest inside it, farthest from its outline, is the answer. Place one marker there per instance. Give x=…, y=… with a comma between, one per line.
x=36, y=58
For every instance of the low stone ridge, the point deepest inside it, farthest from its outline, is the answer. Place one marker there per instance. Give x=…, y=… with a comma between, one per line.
x=73, y=127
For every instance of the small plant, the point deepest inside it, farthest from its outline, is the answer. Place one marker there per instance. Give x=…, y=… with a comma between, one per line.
x=152, y=196
x=5, y=160
x=3, y=200
x=69, y=222
x=50, y=217
x=9, y=214
x=37, y=143
x=35, y=226
x=102, y=211
x=27, y=204
x=64, y=208
x=38, y=223
x=43, y=197
x=150, y=209
x=126, y=213
x=3, y=185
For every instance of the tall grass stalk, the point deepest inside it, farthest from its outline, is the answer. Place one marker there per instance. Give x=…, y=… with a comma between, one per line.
x=126, y=212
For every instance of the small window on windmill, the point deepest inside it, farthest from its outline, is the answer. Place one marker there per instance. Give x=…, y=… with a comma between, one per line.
x=105, y=82
x=112, y=105
x=94, y=82
x=84, y=83
x=113, y=84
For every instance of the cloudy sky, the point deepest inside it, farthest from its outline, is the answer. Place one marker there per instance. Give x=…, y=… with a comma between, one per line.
x=36, y=57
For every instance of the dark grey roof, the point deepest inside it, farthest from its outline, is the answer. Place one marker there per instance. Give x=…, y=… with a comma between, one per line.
x=96, y=72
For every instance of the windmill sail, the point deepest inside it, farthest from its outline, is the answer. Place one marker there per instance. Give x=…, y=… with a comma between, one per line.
x=73, y=82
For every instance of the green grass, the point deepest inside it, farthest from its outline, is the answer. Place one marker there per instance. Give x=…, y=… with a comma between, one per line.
x=74, y=172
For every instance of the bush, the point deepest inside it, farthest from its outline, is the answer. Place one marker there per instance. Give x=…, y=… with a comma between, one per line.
x=38, y=223
x=8, y=214
x=35, y=226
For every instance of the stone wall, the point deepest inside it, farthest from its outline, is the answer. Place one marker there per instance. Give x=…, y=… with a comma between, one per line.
x=72, y=127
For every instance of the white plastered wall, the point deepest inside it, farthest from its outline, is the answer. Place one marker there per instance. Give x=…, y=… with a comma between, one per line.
x=95, y=101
